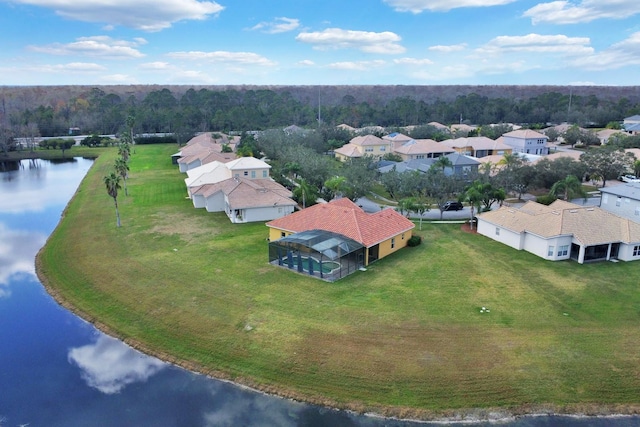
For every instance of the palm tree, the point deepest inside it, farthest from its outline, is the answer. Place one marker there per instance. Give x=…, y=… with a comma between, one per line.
x=443, y=162
x=124, y=150
x=304, y=191
x=473, y=195
x=112, y=182
x=335, y=185
x=570, y=188
x=122, y=169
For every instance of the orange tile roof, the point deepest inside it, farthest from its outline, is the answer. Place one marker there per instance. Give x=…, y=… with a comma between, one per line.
x=345, y=217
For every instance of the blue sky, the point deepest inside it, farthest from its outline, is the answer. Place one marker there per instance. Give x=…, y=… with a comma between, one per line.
x=304, y=42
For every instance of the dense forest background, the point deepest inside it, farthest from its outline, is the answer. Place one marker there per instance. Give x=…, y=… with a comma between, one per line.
x=184, y=110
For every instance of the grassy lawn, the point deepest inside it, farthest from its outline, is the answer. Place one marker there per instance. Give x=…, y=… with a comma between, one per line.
x=406, y=337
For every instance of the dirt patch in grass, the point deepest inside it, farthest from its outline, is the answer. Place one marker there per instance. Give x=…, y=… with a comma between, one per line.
x=466, y=227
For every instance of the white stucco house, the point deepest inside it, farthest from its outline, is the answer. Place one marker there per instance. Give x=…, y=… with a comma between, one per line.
x=563, y=231
x=622, y=200
x=242, y=188
x=526, y=141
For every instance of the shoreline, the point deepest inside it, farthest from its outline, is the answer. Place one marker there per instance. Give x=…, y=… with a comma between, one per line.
x=469, y=415
x=445, y=417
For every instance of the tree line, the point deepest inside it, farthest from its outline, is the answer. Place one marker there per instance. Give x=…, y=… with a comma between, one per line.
x=163, y=111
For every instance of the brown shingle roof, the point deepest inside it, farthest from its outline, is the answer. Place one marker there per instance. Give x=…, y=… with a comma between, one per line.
x=345, y=217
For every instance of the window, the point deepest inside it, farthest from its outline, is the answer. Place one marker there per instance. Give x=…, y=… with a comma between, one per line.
x=264, y=174
x=605, y=198
x=393, y=242
x=627, y=200
x=420, y=156
x=618, y=201
x=246, y=173
x=563, y=250
x=637, y=212
x=550, y=250
x=368, y=150
x=497, y=231
x=253, y=174
x=402, y=236
x=636, y=250
x=283, y=234
x=383, y=148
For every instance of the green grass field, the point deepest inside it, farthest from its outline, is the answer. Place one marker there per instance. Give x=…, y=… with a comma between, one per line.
x=407, y=337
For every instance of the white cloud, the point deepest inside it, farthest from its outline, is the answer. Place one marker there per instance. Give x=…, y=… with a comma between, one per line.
x=157, y=65
x=237, y=58
x=17, y=250
x=537, y=43
x=118, y=79
x=98, y=46
x=335, y=38
x=413, y=61
x=566, y=12
x=306, y=63
x=448, y=48
x=110, y=365
x=357, y=65
x=146, y=15
x=279, y=25
x=417, y=6
x=622, y=54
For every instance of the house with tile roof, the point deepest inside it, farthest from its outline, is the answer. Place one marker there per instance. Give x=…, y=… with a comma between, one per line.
x=527, y=141
x=381, y=233
x=241, y=188
x=417, y=149
x=203, y=149
x=478, y=146
x=245, y=200
x=622, y=200
x=563, y=231
x=364, y=145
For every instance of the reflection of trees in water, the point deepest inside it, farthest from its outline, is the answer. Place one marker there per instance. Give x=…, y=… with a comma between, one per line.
x=34, y=163
x=9, y=165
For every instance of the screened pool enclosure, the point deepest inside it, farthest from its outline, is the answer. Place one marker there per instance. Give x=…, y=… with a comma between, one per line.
x=319, y=253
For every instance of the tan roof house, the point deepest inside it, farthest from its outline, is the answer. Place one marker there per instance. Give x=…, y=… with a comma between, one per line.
x=379, y=234
x=245, y=200
x=478, y=146
x=417, y=149
x=563, y=231
x=364, y=145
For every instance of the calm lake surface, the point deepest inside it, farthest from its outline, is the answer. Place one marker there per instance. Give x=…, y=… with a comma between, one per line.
x=58, y=370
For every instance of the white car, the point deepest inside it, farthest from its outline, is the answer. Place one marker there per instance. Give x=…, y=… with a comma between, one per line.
x=630, y=178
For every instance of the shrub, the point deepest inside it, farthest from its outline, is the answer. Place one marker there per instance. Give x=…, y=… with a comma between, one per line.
x=546, y=199
x=414, y=241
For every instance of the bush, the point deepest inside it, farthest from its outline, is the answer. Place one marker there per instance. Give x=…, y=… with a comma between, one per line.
x=546, y=199
x=414, y=241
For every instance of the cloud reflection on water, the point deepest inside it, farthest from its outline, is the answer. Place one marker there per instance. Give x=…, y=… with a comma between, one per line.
x=17, y=250
x=110, y=365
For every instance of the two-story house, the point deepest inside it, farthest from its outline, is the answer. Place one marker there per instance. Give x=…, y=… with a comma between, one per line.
x=622, y=200
x=526, y=141
x=364, y=145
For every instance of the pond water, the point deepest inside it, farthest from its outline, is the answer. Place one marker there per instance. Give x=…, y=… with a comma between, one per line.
x=58, y=370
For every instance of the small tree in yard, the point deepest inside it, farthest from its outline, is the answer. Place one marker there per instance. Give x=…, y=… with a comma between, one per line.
x=112, y=183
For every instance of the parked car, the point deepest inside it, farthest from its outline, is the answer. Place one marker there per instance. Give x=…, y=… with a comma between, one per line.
x=452, y=206
x=629, y=178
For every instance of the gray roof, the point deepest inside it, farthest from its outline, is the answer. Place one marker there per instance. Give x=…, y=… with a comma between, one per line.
x=630, y=190
x=461, y=160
